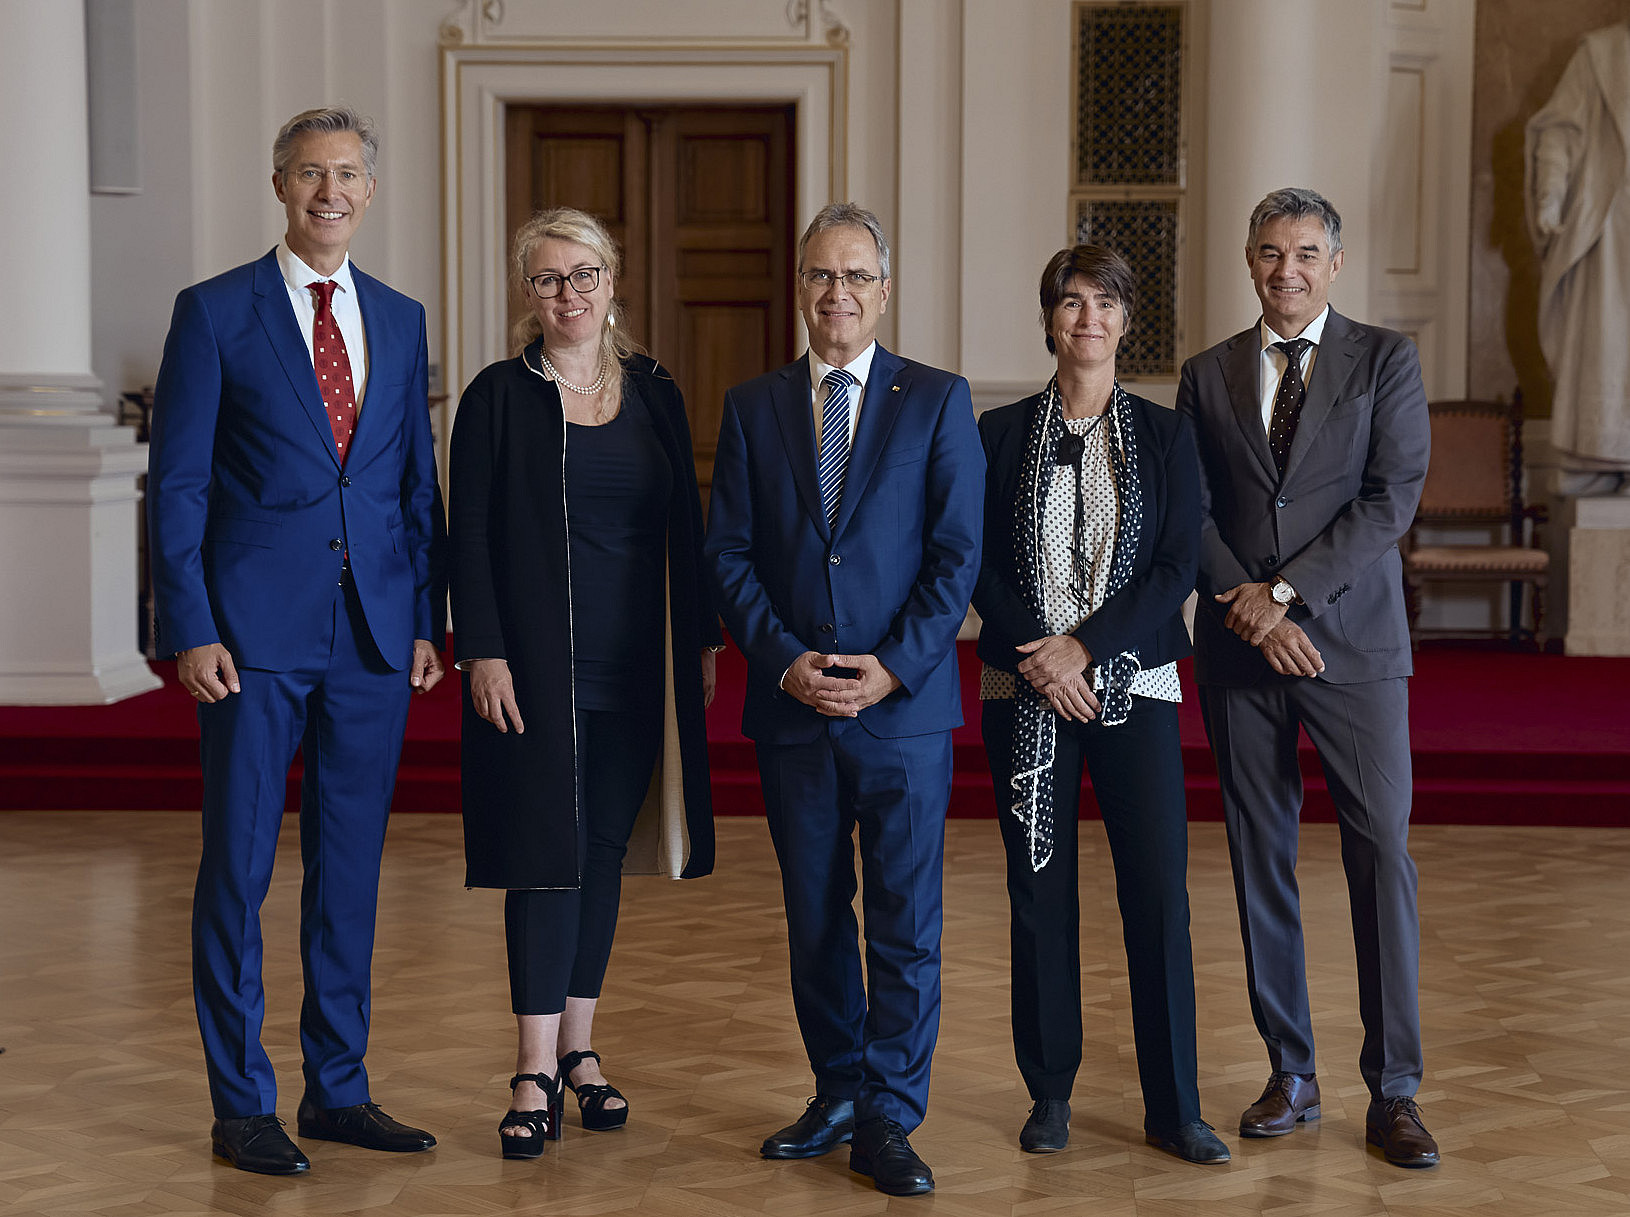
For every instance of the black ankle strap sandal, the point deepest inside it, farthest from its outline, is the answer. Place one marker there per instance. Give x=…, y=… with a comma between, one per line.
x=592, y=1098
x=543, y=1124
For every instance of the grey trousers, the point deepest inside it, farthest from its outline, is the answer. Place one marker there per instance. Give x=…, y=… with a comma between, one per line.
x=1361, y=735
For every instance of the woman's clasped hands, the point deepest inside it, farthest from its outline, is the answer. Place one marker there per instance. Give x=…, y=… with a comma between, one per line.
x=1056, y=667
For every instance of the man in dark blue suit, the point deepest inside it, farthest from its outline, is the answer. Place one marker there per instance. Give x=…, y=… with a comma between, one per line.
x=844, y=536
x=292, y=506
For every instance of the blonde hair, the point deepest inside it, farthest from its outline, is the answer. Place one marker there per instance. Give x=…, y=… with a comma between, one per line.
x=579, y=227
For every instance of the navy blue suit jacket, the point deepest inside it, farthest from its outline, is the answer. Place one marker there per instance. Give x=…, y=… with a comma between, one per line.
x=250, y=514
x=1147, y=613
x=892, y=579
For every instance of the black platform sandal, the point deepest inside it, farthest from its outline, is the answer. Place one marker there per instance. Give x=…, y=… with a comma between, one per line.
x=592, y=1099
x=543, y=1124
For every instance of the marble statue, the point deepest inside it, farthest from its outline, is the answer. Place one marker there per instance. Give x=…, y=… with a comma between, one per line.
x=1577, y=187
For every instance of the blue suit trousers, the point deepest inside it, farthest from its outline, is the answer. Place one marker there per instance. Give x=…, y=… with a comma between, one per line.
x=345, y=712
x=871, y=1041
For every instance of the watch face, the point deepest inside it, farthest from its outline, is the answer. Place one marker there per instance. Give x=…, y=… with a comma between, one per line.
x=1282, y=592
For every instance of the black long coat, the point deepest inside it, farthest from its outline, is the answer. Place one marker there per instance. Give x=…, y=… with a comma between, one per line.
x=512, y=600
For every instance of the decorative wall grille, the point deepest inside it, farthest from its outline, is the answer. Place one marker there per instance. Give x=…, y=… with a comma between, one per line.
x=1130, y=157
x=1144, y=232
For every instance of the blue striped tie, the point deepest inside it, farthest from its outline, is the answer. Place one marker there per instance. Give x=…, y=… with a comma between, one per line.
x=834, y=458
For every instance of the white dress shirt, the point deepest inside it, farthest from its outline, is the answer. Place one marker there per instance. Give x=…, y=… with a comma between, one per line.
x=860, y=369
x=298, y=278
x=1273, y=362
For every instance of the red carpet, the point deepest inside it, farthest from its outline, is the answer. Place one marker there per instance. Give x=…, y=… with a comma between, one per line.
x=1499, y=737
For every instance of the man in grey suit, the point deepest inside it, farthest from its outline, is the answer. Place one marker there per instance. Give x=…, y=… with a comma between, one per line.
x=1313, y=440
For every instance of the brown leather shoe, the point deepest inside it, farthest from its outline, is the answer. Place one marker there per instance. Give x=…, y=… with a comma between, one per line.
x=1288, y=1099
x=1395, y=1125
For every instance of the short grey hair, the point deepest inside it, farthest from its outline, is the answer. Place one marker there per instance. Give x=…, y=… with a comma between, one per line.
x=846, y=215
x=1296, y=203
x=323, y=121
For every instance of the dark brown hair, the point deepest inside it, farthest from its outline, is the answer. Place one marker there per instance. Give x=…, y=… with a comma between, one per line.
x=1098, y=265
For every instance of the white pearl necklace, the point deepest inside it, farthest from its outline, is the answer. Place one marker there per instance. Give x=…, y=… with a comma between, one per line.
x=554, y=374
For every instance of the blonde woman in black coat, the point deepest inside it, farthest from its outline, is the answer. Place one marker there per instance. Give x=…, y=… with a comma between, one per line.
x=585, y=630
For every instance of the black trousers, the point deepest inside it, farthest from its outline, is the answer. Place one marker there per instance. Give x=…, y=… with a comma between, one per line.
x=1137, y=775
x=559, y=940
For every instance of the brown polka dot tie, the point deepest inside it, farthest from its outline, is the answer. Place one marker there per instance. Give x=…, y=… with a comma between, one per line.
x=333, y=369
x=1287, y=403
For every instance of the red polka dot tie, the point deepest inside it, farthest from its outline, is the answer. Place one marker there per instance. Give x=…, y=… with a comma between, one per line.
x=333, y=369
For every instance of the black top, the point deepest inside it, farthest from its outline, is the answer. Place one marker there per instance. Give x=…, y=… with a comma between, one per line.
x=510, y=593
x=617, y=488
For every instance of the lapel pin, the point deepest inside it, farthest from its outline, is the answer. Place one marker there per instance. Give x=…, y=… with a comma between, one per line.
x=895, y=388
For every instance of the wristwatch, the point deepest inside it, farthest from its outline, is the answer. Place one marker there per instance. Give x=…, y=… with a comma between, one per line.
x=1281, y=590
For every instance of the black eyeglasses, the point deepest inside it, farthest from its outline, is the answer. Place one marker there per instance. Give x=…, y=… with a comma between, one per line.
x=548, y=285
x=855, y=280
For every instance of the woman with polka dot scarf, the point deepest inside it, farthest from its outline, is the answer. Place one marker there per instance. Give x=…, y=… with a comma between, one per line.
x=1092, y=533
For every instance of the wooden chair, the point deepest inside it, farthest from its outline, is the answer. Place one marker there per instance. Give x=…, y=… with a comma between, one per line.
x=1475, y=479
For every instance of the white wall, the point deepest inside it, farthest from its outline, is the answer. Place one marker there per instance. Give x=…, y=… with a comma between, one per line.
x=1016, y=116
x=958, y=135
x=141, y=244
x=216, y=78
x=44, y=196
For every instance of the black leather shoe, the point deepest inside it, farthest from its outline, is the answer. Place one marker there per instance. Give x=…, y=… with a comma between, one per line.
x=1395, y=1125
x=880, y=1149
x=1287, y=1100
x=363, y=1125
x=1194, y=1142
x=1048, y=1129
x=259, y=1144
x=826, y=1124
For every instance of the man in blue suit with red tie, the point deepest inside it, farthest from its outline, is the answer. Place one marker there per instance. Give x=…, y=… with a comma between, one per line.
x=292, y=506
x=844, y=535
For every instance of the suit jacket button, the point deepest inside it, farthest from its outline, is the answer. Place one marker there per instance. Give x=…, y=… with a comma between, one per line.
x=835, y=559
x=346, y=481
x=1272, y=560
x=826, y=627
x=1279, y=502
x=336, y=545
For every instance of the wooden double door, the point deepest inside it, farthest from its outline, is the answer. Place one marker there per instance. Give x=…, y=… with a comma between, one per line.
x=699, y=198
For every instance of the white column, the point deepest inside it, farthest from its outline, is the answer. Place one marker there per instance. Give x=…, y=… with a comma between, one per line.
x=1589, y=574
x=68, y=496
x=927, y=240
x=1288, y=91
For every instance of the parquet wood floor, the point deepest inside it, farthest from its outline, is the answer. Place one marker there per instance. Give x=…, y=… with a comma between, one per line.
x=103, y=1110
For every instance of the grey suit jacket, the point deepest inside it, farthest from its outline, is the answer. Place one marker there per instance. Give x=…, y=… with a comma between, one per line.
x=1331, y=525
